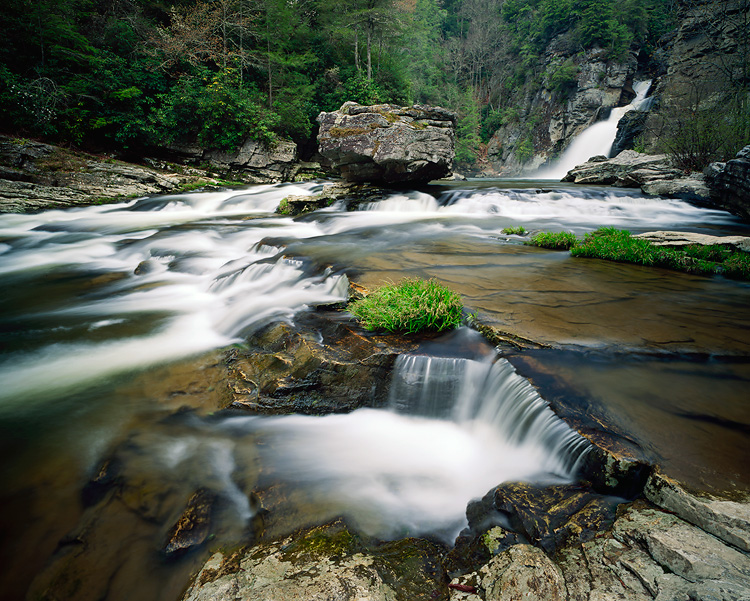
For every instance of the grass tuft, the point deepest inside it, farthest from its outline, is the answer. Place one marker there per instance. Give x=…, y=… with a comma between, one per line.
x=413, y=305
x=618, y=245
x=515, y=230
x=554, y=240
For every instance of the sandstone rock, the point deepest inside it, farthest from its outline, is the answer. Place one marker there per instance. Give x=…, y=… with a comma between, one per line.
x=679, y=239
x=614, y=170
x=523, y=572
x=689, y=187
x=730, y=184
x=256, y=161
x=388, y=144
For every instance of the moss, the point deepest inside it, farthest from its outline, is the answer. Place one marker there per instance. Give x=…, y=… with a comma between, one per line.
x=329, y=540
x=343, y=132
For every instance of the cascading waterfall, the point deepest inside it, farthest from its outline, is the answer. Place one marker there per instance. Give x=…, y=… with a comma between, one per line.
x=455, y=428
x=598, y=138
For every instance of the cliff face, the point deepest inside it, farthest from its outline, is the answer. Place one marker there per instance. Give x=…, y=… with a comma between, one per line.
x=549, y=118
x=703, y=65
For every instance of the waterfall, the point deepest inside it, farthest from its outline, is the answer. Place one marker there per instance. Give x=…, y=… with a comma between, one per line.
x=478, y=392
x=598, y=138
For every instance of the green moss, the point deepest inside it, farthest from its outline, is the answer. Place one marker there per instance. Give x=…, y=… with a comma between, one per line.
x=414, y=305
x=344, y=132
x=554, y=240
x=325, y=541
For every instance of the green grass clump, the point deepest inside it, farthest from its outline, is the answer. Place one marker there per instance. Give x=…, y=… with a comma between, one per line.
x=413, y=305
x=618, y=245
x=554, y=240
x=515, y=230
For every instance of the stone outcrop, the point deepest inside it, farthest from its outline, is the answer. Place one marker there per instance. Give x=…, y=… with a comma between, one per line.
x=36, y=176
x=254, y=162
x=629, y=127
x=388, y=144
x=730, y=184
x=325, y=562
x=653, y=174
x=680, y=239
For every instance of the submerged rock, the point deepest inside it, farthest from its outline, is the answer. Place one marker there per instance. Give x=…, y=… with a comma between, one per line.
x=388, y=144
x=194, y=525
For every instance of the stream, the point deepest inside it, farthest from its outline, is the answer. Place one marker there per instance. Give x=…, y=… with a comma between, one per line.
x=113, y=319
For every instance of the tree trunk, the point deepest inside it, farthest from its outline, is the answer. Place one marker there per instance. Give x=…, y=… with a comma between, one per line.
x=369, y=51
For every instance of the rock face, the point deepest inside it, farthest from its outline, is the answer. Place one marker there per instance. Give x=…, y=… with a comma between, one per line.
x=730, y=184
x=653, y=173
x=253, y=162
x=36, y=176
x=388, y=144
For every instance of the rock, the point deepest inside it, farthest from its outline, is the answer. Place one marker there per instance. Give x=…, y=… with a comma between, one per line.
x=624, y=165
x=680, y=239
x=322, y=365
x=194, y=525
x=324, y=562
x=614, y=466
x=388, y=144
x=523, y=572
x=551, y=516
x=351, y=194
x=728, y=520
x=257, y=162
x=654, y=174
x=629, y=127
x=730, y=184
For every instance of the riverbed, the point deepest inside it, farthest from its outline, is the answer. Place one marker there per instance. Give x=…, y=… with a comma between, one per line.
x=114, y=319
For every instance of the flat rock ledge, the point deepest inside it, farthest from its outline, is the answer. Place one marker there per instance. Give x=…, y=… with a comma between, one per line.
x=680, y=239
x=653, y=174
x=388, y=144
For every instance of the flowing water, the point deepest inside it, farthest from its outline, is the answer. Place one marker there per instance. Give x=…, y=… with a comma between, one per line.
x=597, y=139
x=113, y=318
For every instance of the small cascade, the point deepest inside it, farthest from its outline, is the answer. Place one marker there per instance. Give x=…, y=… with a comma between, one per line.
x=598, y=138
x=467, y=391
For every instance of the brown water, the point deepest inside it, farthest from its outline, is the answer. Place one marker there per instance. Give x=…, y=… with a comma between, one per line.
x=97, y=359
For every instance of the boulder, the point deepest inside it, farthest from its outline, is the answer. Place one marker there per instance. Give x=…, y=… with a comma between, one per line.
x=680, y=239
x=256, y=161
x=387, y=143
x=193, y=527
x=629, y=127
x=653, y=174
x=730, y=184
x=523, y=572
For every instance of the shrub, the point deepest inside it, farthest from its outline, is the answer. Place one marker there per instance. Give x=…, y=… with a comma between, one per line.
x=554, y=240
x=413, y=305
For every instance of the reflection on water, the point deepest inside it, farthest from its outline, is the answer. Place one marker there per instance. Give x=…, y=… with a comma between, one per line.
x=105, y=309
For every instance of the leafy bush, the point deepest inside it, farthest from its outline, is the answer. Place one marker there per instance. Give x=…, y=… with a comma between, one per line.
x=554, y=240
x=413, y=305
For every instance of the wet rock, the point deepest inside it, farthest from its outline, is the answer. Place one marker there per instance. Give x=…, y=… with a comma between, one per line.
x=629, y=127
x=551, y=516
x=680, y=239
x=522, y=572
x=107, y=477
x=255, y=162
x=194, y=525
x=388, y=144
x=614, y=466
x=730, y=184
x=352, y=195
x=326, y=562
x=627, y=169
x=323, y=365
x=728, y=520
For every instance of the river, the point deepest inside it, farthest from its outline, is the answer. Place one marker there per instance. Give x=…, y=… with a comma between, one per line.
x=114, y=317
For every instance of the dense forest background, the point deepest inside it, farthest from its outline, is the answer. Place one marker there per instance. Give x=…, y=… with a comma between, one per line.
x=140, y=74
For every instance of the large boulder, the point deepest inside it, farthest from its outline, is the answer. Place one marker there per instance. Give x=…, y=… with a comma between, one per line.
x=387, y=143
x=730, y=184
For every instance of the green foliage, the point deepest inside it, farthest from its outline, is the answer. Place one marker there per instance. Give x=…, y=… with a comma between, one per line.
x=554, y=240
x=515, y=230
x=563, y=78
x=414, y=305
x=524, y=150
x=467, y=130
x=618, y=245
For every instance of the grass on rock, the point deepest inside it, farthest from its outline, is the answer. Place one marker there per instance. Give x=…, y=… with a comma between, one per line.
x=413, y=305
x=554, y=240
x=515, y=230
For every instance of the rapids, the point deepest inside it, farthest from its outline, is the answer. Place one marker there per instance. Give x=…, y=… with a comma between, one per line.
x=112, y=318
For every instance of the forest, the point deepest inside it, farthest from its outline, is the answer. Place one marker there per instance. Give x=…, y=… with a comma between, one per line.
x=132, y=75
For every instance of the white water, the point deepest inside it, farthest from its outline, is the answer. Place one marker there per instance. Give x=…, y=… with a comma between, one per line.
x=456, y=429
x=157, y=279
x=597, y=139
